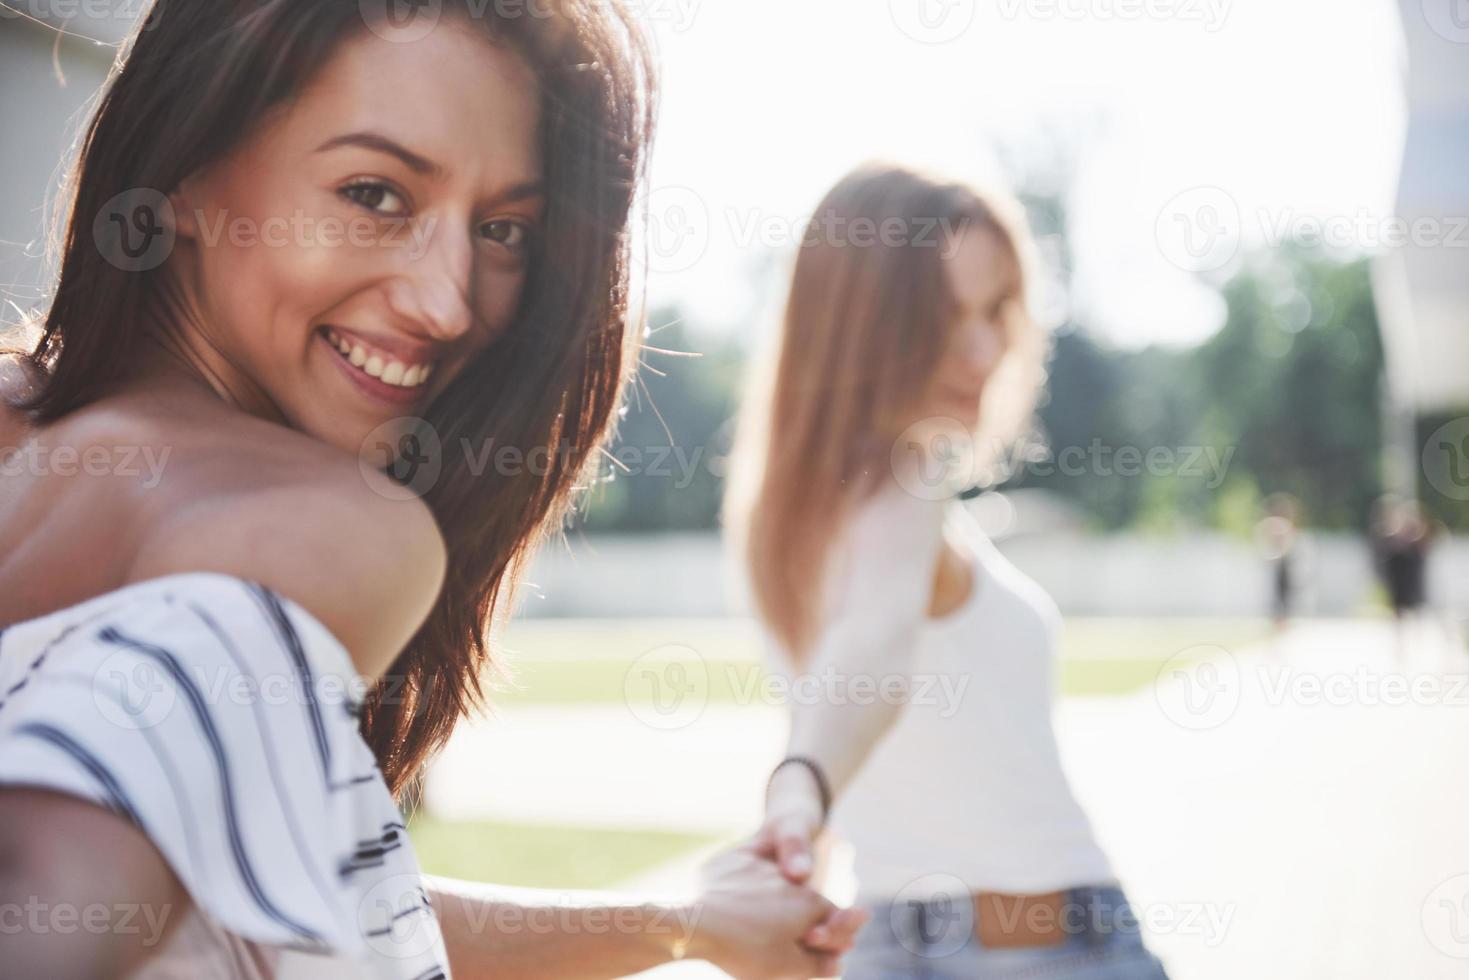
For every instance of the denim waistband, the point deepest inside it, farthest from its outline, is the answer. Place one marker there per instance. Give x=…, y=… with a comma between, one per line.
x=1096, y=914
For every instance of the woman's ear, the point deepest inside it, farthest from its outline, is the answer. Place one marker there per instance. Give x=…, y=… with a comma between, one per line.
x=185, y=202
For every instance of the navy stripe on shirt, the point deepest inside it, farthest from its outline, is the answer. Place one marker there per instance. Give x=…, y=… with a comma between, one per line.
x=170, y=663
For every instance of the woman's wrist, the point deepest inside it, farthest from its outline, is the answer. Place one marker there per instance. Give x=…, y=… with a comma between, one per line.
x=795, y=791
x=690, y=941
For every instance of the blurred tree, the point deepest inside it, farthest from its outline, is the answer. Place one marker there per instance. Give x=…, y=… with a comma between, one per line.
x=1284, y=397
x=1294, y=383
x=672, y=438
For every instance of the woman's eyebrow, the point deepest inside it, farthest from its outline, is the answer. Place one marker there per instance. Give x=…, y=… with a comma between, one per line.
x=420, y=164
x=382, y=144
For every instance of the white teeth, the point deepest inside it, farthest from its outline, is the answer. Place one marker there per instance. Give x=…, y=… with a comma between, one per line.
x=389, y=372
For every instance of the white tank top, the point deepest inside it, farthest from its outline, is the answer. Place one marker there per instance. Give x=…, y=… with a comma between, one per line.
x=968, y=783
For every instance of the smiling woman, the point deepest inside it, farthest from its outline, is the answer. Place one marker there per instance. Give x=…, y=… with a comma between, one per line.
x=306, y=242
x=439, y=297
x=509, y=147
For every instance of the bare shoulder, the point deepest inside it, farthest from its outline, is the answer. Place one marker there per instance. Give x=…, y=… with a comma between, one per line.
x=19, y=379
x=18, y=376
x=315, y=527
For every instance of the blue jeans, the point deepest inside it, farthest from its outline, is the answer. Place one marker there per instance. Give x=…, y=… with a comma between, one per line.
x=935, y=940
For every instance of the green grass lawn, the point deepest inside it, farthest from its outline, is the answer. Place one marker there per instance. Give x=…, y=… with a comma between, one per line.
x=592, y=661
x=538, y=856
x=588, y=661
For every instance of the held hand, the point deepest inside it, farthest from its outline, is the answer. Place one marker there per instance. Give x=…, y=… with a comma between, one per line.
x=793, y=818
x=752, y=921
x=788, y=841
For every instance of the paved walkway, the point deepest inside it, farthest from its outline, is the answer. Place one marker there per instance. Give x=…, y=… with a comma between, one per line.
x=1297, y=811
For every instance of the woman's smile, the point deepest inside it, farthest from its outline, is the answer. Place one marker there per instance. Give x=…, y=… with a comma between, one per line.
x=398, y=378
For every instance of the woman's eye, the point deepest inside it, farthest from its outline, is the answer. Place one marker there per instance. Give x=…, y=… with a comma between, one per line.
x=373, y=195
x=511, y=234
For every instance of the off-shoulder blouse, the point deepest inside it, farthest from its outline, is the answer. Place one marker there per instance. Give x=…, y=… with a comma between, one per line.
x=220, y=718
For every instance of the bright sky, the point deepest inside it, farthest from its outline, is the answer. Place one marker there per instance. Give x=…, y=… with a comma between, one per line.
x=1279, y=109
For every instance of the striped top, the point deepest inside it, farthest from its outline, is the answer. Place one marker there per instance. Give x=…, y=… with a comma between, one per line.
x=221, y=719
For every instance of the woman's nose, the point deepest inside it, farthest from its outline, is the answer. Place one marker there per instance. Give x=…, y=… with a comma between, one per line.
x=434, y=291
x=978, y=353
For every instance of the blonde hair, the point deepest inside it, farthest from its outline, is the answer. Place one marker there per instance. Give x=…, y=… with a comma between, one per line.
x=864, y=330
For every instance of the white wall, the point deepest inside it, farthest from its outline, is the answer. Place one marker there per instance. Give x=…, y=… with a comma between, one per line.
x=1423, y=286
x=1202, y=574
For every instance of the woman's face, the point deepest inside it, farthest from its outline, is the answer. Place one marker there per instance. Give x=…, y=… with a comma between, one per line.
x=370, y=236
x=982, y=277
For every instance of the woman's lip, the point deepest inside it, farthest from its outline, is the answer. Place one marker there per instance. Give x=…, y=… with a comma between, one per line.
x=387, y=347
x=367, y=384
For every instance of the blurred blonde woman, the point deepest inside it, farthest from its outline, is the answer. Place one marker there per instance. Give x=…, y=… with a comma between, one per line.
x=921, y=662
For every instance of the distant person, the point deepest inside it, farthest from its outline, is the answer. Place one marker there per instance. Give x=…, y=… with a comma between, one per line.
x=1402, y=538
x=1277, y=534
x=896, y=360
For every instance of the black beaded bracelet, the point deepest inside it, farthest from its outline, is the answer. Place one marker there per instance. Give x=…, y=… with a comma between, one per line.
x=822, y=786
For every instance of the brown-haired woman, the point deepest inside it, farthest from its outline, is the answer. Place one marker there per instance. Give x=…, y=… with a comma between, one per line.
x=245, y=596
x=918, y=659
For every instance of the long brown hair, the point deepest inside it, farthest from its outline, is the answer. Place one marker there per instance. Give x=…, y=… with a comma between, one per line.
x=192, y=78
x=865, y=327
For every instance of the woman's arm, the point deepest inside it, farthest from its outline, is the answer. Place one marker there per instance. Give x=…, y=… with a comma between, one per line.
x=84, y=895
x=861, y=665
x=495, y=930
x=747, y=919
